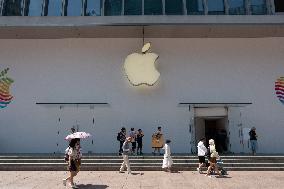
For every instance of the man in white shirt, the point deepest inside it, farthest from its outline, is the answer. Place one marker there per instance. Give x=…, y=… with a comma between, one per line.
x=201, y=154
x=133, y=134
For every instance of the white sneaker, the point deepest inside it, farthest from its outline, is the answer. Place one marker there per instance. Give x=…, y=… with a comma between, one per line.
x=64, y=182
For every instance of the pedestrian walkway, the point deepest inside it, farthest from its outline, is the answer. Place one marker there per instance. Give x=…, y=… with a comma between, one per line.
x=144, y=180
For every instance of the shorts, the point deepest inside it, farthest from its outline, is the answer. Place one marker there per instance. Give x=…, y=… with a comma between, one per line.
x=201, y=159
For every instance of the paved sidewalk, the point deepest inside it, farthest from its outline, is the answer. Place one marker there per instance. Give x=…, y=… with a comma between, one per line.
x=145, y=180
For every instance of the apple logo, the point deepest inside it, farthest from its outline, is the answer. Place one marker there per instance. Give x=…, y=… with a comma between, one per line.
x=5, y=83
x=279, y=89
x=140, y=68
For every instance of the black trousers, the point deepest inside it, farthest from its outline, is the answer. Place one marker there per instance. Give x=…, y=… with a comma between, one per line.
x=120, y=146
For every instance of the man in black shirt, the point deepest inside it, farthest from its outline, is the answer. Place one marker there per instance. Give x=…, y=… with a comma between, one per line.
x=121, y=136
x=253, y=140
x=139, y=137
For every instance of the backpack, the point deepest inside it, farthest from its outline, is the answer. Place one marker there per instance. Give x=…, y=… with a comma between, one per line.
x=66, y=156
x=118, y=137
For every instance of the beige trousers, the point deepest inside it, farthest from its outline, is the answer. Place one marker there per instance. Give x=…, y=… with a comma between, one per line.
x=125, y=163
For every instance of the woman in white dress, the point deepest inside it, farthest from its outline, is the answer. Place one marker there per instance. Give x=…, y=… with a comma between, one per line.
x=167, y=161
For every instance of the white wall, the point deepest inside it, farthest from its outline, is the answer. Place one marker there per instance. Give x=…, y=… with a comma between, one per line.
x=91, y=70
x=199, y=129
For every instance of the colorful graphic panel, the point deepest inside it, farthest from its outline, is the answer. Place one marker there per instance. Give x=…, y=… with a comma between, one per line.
x=5, y=83
x=279, y=89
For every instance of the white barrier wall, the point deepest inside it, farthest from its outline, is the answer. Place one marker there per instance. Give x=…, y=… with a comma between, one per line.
x=91, y=70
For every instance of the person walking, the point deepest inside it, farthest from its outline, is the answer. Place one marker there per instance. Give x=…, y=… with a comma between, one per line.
x=253, y=140
x=125, y=162
x=212, y=158
x=202, y=150
x=167, y=161
x=132, y=134
x=74, y=161
x=121, y=136
x=157, y=141
x=139, y=138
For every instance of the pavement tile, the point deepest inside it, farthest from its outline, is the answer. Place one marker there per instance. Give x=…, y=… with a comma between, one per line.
x=143, y=180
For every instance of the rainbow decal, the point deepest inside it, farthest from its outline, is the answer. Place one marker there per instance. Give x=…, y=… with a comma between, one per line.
x=5, y=83
x=279, y=89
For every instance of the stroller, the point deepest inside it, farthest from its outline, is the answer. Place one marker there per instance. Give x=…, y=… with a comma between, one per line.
x=219, y=165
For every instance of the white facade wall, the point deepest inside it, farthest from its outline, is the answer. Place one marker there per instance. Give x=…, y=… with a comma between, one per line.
x=204, y=70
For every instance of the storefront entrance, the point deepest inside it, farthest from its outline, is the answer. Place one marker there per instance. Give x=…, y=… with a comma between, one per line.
x=212, y=123
x=213, y=128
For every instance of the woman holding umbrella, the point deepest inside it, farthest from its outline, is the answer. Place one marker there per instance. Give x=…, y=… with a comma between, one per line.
x=73, y=161
x=74, y=156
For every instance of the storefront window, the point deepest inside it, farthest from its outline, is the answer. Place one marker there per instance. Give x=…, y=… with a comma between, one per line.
x=12, y=8
x=35, y=7
x=194, y=7
x=174, y=7
x=216, y=7
x=93, y=8
x=153, y=7
x=258, y=7
x=74, y=7
x=113, y=7
x=133, y=7
x=237, y=7
x=54, y=7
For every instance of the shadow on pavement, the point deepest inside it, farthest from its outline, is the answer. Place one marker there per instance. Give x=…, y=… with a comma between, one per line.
x=132, y=173
x=224, y=176
x=137, y=173
x=91, y=186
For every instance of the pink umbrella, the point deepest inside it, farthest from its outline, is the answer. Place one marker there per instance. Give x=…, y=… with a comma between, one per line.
x=78, y=135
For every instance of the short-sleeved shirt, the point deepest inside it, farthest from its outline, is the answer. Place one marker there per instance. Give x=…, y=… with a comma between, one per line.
x=132, y=134
x=125, y=148
x=252, y=135
x=202, y=150
x=139, y=137
x=122, y=136
x=74, y=154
